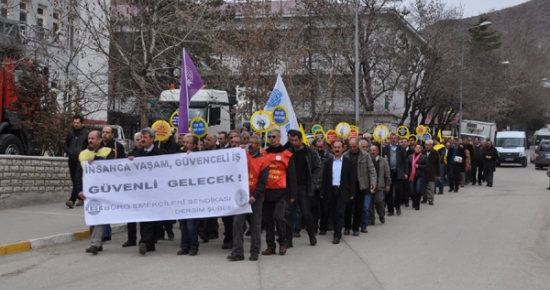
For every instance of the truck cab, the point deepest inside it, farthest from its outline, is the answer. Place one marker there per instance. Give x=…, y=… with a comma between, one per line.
x=212, y=105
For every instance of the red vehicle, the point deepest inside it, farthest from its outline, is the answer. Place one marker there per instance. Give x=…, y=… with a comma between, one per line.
x=11, y=138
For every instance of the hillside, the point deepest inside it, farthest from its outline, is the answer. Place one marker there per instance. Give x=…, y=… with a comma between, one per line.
x=532, y=16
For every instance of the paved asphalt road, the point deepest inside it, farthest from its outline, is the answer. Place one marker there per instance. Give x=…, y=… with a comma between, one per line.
x=478, y=238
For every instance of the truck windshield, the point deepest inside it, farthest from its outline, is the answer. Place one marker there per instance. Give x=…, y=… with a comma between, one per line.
x=509, y=142
x=197, y=112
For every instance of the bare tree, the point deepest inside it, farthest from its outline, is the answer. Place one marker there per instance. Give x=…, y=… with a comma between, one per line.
x=142, y=42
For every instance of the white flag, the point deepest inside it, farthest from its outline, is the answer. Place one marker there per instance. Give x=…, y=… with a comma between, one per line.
x=279, y=97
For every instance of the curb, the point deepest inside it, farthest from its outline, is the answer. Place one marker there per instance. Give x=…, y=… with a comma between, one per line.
x=38, y=243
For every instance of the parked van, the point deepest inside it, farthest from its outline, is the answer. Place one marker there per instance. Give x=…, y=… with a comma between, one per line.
x=542, y=154
x=542, y=134
x=512, y=147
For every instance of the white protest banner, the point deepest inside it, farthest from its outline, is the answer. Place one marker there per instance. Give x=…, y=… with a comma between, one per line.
x=166, y=187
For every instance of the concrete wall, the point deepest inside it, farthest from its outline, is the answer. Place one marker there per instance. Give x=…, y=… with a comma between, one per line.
x=26, y=180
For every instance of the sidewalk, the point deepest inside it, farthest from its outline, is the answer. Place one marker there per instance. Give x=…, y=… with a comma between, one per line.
x=38, y=226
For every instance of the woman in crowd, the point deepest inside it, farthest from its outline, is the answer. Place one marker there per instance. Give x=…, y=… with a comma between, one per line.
x=419, y=163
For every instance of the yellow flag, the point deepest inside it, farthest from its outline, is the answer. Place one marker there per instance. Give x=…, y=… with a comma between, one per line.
x=304, y=138
x=439, y=135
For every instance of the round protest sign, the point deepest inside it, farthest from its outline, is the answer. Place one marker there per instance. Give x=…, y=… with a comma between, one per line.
x=319, y=134
x=316, y=127
x=198, y=127
x=427, y=136
x=402, y=132
x=331, y=136
x=260, y=121
x=280, y=115
x=343, y=129
x=420, y=130
x=381, y=133
x=163, y=130
x=175, y=119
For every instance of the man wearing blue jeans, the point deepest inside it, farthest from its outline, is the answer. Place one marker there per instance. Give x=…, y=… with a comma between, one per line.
x=189, y=227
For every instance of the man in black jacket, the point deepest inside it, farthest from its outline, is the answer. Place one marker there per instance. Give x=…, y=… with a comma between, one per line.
x=319, y=210
x=397, y=158
x=455, y=160
x=339, y=178
x=77, y=140
x=170, y=145
x=147, y=229
x=94, y=152
x=307, y=166
x=477, y=162
x=108, y=135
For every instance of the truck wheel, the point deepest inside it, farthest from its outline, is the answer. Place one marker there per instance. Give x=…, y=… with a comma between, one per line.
x=10, y=145
x=524, y=163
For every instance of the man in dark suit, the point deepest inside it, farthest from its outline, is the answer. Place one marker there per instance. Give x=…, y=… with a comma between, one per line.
x=397, y=158
x=147, y=229
x=455, y=160
x=339, y=178
x=432, y=173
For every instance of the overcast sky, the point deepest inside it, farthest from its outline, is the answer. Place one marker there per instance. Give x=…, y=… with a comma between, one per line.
x=476, y=7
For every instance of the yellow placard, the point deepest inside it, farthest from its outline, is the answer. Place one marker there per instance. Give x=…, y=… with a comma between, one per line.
x=172, y=119
x=279, y=115
x=343, y=129
x=420, y=130
x=319, y=134
x=402, y=132
x=162, y=129
x=381, y=133
x=198, y=127
x=261, y=121
x=316, y=127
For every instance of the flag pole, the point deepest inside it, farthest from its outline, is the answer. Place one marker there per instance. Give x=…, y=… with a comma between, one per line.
x=186, y=86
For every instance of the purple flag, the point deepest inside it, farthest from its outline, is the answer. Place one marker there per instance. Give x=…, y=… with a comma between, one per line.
x=191, y=83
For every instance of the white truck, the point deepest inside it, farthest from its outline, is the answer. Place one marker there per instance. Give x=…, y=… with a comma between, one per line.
x=477, y=128
x=212, y=105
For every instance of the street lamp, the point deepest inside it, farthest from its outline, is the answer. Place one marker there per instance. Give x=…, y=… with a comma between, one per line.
x=482, y=24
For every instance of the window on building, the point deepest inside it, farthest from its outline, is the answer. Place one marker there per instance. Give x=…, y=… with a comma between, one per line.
x=40, y=16
x=4, y=8
x=56, y=22
x=387, y=100
x=23, y=12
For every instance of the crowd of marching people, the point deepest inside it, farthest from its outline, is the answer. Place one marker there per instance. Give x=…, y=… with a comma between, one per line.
x=338, y=188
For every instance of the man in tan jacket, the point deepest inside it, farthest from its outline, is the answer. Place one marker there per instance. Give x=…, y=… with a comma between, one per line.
x=384, y=184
